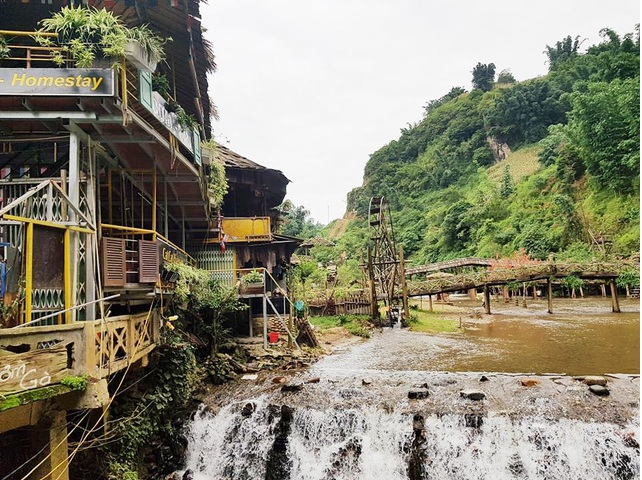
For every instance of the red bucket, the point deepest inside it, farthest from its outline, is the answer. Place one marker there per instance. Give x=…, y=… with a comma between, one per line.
x=273, y=337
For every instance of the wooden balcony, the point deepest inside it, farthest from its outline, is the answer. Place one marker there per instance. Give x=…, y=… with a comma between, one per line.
x=41, y=357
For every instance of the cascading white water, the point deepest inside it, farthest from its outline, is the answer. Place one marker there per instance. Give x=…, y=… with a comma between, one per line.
x=372, y=444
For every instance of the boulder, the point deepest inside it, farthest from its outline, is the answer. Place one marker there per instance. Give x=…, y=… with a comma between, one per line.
x=418, y=393
x=248, y=409
x=366, y=381
x=472, y=394
x=529, y=382
x=595, y=380
x=314, y=380
x=599, y=390
x=292, y=387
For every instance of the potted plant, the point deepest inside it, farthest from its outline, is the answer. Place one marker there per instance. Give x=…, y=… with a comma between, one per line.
x=252, y=282
x=88, y=34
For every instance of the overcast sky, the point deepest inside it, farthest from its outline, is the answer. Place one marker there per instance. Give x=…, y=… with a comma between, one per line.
x=313, y=88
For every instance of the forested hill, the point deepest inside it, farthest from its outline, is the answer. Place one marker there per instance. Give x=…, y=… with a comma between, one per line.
x=547, y=165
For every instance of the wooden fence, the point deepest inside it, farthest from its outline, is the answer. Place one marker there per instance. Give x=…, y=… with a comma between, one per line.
x=353, y=304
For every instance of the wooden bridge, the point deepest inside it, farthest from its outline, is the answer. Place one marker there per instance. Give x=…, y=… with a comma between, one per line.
x=501, y=273
x=449, y=265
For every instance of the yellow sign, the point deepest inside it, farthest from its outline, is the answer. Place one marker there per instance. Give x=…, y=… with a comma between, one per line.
x=57, y=81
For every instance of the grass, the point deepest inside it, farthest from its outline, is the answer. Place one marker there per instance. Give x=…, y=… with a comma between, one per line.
x=521, y=162
x=432, y=322
x=355, y=324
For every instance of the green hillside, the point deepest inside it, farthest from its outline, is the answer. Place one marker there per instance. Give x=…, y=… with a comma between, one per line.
x=547, y=165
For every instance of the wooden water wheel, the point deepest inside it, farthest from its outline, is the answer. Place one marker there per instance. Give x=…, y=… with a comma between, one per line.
x=385, y=264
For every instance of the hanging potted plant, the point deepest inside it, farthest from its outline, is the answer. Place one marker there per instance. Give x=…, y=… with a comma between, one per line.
x=87, y=35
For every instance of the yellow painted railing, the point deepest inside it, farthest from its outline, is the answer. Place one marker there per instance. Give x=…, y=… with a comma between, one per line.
x=246, y=229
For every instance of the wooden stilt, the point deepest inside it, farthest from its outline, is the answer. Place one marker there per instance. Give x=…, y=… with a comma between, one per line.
x=487, y=299
x=615, y=304
x=430, y=303
x=472, y=293
x=549, y=294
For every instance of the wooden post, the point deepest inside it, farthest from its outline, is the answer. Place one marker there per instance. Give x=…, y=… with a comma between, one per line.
x=505, y=294
x=472, y=293
x=404, y=286
x=603, y=288
x=487, y=299
x=374, y=307
x=430, y=303
x=265, y=322
x=615, y=304
x=549, y=294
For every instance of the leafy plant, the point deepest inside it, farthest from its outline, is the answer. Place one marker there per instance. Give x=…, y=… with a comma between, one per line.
x=252, y=277
x=160, y=84
x=217, y=185
x=185, y=120
x=87, y=33
x=628, y=278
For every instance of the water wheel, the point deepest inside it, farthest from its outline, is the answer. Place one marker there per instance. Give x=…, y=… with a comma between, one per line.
x=384, y=265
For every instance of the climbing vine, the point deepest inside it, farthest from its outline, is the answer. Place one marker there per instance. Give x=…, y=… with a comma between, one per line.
x=217, y=185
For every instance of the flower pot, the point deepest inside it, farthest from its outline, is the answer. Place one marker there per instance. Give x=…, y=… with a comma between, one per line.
x=136, y=55
x=252, y=288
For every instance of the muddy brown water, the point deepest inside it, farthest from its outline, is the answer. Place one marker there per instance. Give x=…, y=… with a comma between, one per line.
x=582, y=336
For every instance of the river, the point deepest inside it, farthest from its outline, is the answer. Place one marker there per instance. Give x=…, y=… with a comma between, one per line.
x=350, y=416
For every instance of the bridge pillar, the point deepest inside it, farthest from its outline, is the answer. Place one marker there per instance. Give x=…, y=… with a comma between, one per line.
x=549, y=294
x=615, y=304
x=487, y=299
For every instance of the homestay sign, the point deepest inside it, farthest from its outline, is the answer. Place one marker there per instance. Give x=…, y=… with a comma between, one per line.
x=77, y=82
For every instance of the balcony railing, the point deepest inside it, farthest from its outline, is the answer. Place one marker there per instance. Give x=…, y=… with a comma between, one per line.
x=245, y=229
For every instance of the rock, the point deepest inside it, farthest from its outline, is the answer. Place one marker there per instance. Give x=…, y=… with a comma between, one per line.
x=418, y=393
x=314, y=380
x=292, y=387
x=484, y=378
x=188, y=475
x=529, y=382
x=366, y=381
x=473, y=394
x=473, y=420
x=599, y=390
x=279, y=380
x=595, y=380
x=248, y=409
x=250, y=376
x=420, y=385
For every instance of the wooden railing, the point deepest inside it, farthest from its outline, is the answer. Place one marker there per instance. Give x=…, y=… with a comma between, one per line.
x=41, y=356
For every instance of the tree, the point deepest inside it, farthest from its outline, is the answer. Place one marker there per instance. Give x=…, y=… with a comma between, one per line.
x=562, y=51
x=506, y=77
x=296, y=222
x=604, y=125
x=432, y=104
x=484, y=76
x=507, y=187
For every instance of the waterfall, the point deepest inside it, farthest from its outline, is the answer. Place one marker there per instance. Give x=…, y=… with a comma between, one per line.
x=257, y=439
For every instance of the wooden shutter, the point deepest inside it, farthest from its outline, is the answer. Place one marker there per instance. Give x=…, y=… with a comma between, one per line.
x=145, y=89
x=148, y=266
x=113, y=256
